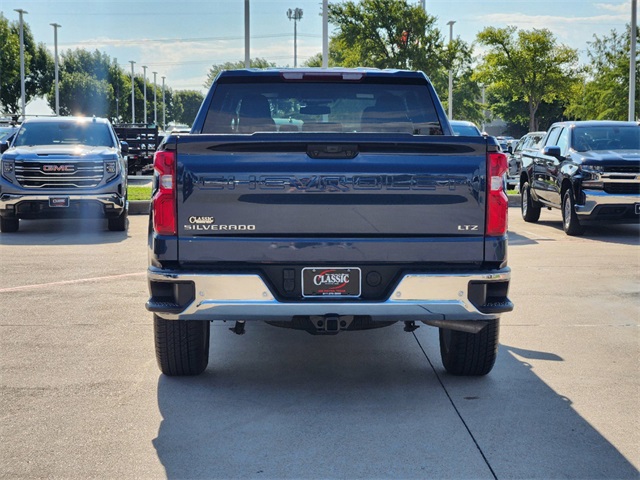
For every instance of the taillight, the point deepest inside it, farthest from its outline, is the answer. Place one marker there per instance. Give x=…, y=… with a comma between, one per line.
x=497, y=201
x=164, y=200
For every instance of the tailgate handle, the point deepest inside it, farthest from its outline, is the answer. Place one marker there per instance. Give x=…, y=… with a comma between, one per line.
x=332, y=151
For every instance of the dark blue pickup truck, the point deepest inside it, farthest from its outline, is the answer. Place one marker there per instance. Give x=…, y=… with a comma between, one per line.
x=327, y=200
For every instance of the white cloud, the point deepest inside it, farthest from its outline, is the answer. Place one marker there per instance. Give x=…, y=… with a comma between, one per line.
x=622, y=8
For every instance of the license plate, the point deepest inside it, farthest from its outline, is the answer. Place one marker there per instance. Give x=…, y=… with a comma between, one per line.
x=331, y=282
x=58, y=202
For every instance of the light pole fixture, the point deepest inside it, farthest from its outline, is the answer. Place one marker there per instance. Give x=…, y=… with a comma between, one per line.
x=23, y=103
x=155, y=99
x=133, y=97
x=164, y=108
x=450, y=23
x=55, y=50
x=295, y=15
x=144, y=91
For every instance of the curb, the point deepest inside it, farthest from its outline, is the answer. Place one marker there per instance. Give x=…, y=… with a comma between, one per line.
x=141, y=207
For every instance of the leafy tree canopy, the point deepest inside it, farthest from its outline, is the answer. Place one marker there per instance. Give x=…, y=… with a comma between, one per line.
x=604, y=93
x=187, y=103
x=527, y=65
x=385, y=34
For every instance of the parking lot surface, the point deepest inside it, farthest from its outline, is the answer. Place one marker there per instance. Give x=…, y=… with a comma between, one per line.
x=82, y=397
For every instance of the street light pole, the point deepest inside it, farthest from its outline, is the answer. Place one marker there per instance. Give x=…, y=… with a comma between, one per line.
x=22, y=86
x=164, y=108
x=450, y=23
x=155, y=99
x=325, y=33
x=484, y=112
x=295, y=15
x=133, y=97
x=144, y=91
x=55, y=50
x=115, y=61
x=247, y=41
x=632, y=61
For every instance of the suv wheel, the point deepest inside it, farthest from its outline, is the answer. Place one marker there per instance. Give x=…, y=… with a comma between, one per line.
x=570, y=221
x=530, y=208
x=182, y=346
x=464, y=353
x=8, y=225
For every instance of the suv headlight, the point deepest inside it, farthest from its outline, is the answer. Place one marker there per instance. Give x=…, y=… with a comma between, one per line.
x=593, y=168
x=111, y=169
x=8, y=169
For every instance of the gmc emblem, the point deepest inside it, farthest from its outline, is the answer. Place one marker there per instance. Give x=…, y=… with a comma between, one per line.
x=58, y=168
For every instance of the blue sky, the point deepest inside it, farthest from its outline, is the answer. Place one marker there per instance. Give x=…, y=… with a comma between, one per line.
x=181, y=39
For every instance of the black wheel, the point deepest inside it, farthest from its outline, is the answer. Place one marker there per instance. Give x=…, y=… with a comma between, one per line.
x=118, y=224
x=182, y=347
x=570, y=222
x=8, y=225
x=465, y=353
x=530, y=208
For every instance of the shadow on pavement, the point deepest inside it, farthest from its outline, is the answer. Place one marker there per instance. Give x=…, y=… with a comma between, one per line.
x=283, y=404
x=63, y=231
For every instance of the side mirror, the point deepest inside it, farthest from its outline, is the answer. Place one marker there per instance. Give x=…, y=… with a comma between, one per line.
x=124, y=147
x=552, y=151
x=4, y=146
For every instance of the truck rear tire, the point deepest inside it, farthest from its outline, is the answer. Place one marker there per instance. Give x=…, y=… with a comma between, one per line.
x=118, y=224
x=465, y=353
x=530, y=208
x=9, y=225
x=182, y=347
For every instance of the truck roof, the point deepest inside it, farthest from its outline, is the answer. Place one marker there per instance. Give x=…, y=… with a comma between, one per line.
x=300, y=73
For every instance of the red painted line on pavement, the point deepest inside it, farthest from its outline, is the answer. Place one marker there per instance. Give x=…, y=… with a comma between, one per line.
x=69, y=282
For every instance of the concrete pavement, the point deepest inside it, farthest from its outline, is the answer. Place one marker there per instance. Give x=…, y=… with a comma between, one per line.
x=82, y=396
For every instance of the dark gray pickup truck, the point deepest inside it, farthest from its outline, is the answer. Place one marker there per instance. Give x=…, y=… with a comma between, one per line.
x=327, y=201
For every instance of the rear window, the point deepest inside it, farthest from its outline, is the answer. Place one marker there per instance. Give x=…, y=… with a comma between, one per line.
x=322, y=107
x=64, y=133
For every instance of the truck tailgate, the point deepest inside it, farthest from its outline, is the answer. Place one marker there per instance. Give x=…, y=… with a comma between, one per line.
x=232, y=188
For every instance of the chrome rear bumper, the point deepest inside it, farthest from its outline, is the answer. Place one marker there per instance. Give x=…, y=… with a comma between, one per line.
x=417, y=297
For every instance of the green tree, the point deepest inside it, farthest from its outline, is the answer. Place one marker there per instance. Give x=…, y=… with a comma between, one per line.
x=187, y=104
x=527, y=65
x=385, y=34
x=216, y=69
x=604, y=93
x=38, y=62
x=86, y=83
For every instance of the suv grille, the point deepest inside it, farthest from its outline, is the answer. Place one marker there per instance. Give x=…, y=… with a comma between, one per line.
x=62, y=174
